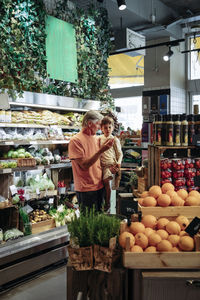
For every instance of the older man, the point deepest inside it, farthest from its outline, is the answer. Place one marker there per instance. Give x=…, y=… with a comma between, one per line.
x=84, y=153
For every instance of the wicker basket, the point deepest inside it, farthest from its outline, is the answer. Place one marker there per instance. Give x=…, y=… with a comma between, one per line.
x=26, y=162
x=81, y=258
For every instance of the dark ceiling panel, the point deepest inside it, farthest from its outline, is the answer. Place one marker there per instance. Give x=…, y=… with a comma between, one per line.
x=184, y=7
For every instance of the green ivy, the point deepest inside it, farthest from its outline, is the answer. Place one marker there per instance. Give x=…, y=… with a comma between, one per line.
x=22, y=50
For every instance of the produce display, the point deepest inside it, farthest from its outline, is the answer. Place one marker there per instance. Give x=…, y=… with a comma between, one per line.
x=167, y=196
x=29, y=134
x=162, y=235
x=18, y=153
x=180, y=172
x=38, y=216
x=12, y=234
x=46, y=117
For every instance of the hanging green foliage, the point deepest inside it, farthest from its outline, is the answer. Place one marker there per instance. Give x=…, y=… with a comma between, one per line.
x=22, y=46
x=22, y=50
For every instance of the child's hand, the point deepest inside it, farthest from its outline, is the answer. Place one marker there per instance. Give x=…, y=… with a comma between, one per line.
x=107, y=145
x=114, y=169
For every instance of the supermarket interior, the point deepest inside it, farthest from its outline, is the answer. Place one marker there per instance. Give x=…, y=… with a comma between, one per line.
x=100, y=149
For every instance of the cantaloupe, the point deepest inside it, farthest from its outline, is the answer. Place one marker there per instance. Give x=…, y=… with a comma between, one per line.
x=173, y=227
x=162, y=222
x=141, y=240
x=177, y=201
x=174, y=239
x=166, y=187
x=154, y=239
x=149, y=201
x=186, y=243
x=182, y=193
x=164, y=246
x=149, y=221
x=164, y=200
x=182, y=221
x=136, y=227
x=192, y=201
x=136, y=248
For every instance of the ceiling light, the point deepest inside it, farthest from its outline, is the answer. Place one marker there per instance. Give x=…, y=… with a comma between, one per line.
x=168, y=55
x=121, y=4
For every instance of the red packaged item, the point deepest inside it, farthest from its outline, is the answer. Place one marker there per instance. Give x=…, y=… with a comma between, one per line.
x=190, y=182
x=190, y=173
x=168, y=180
x=177, y=174
x=197, y=163
x=198, y=172
x=193, y=188
x=165, y=164
x=166, y=174
x=177, y=164
x=179, y=182
x=189, y=163
x=180, y=188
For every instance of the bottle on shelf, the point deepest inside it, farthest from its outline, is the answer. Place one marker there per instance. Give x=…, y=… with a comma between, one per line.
x=169, y=130
x=184, y=130
x=157, y=130
x=164, y=124
x=191, y=128
x=177, y=130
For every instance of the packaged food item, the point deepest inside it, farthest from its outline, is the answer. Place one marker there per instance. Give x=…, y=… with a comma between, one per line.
x=191, y=128
x=157, y=130
x=8, y=116
x=179, y=182
x=177, y=174
x=197, y=163
x=177, y=164
x=189, y=163
x=165, y=164
x=189, y=173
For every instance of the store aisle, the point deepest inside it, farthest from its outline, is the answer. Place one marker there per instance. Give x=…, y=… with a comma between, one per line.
x=51, y=285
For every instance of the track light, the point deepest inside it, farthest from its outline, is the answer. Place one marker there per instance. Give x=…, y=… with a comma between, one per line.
x=121, y=4
x=168, y=55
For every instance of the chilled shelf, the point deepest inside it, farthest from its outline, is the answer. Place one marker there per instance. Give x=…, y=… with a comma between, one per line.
x=21, y=125
x=40, y=167
x=25, y=142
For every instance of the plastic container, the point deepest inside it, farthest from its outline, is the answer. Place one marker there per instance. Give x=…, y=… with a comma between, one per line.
x=189, y=173
x=178, y=174
x=179, y=182
x=197, y=162
x=165, y=164
x=189, y=163
x=177, y=164
x=166, y=174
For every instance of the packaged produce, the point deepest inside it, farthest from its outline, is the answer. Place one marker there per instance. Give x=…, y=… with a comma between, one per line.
x=189, y=173
x=12, y=234
x=197, y=163
x=189, y=163
x=178, y=164
x=1, y=235
x=165, y=164
x=177, y=174
x=179, y=182
x=166, y=174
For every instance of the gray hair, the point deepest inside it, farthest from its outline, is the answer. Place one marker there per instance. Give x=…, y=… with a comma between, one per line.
x=91, y=115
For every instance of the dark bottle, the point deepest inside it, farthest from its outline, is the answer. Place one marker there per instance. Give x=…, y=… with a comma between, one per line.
x=184, y=130
x=163, y=135
x=157, y=130
x=177, y=130
x=197, y=124
x=191, y=128
x=169, y=130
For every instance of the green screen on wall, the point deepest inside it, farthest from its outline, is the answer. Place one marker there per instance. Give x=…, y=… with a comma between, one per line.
x=61, y=50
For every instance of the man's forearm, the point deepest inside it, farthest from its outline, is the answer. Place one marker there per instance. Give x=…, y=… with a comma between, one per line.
x=88, y=162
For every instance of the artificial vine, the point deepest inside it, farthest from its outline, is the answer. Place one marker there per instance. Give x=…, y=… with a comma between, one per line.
x=22, y=50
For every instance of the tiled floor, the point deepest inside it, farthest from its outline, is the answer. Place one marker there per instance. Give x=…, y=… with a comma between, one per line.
x=51, y=285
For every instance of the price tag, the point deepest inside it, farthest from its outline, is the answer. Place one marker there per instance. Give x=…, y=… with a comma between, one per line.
x=9, y=143
x=13, y=189
x=51, y=200
x=37, y=191
x=194, y=227
x=129, y=207
x=33, y=142
x=27, y=208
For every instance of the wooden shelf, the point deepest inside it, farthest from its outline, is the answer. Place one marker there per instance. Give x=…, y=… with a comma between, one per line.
x=40, y=167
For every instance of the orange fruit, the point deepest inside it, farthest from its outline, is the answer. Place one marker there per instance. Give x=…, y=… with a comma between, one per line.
x=195, y=194
x=136, y=248
x=183, y=222
x=122, y=239
x=148, y=231
x=192, y=201
x=166, y=187
x=149, y=201
x=164, y=200
x=164, y=246
x=183, y=233
x=141, y=240
x=171, y=193
x=162, y=222
x=149, y=221
x=144, y=194
x=186, y=243
x=150, y=249
x=155, y=191
x=182, y=193
x=136, y=227
x=140, y=200
x=174, y=239
x=163, y=234
x=154, y=239
x=173, y=227
x=177, y=201
x=175, y=249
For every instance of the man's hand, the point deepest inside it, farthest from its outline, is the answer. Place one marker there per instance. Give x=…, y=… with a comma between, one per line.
x=114, y=169
x=107, y=145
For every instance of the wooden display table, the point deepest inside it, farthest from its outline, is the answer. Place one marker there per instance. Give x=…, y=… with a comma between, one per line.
x=97, y=285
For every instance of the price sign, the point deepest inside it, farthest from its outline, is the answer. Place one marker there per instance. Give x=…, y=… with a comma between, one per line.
x=27, y=209
x=37, y=191
x=194, y=227
x=13, y=189
x=51, y=200
x=129, y=207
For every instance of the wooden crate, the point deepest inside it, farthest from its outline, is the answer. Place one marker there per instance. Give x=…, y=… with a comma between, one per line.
x=26, y=162
x=43, y=194
x=81, y=258
x=162, y=260
x=170, y=211
x=43, y=226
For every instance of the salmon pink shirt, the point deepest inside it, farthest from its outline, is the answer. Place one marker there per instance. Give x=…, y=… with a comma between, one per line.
x=84, y=146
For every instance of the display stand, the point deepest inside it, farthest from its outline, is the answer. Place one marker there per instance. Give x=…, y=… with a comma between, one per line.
x=97, y=285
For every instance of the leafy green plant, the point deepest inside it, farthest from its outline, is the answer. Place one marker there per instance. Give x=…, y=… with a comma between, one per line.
x=93, y=228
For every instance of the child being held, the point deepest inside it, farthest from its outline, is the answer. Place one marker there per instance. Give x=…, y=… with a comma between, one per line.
x=110, y=159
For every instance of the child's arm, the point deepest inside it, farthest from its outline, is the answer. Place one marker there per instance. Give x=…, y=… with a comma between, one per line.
x=119, y=151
